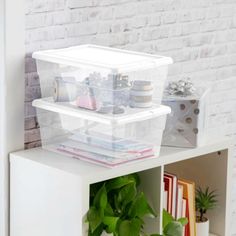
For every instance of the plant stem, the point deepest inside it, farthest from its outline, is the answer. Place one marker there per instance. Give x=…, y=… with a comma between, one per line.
x=201, y=216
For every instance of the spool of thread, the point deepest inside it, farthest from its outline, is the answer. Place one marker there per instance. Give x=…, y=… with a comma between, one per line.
x=142, y=85
x=65, y=89
x=141, y=94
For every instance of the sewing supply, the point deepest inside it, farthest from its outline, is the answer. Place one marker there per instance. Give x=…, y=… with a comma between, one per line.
x=65, y=89
x=140, y=85
x=141, y=94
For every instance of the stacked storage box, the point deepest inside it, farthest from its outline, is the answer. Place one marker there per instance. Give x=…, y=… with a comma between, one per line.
x=101, y=104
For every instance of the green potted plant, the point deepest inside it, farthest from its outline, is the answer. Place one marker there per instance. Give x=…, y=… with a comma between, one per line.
x=118, y=208
x=205, y=200
x=172, y=227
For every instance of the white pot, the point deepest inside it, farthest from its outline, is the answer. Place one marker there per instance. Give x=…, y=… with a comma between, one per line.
x=202, y=228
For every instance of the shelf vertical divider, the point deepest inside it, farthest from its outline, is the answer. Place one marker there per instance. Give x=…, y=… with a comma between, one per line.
x=152, y=185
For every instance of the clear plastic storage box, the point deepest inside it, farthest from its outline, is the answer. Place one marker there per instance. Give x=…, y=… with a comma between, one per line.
x=101, y=104
x=102, y=79
x=103, y=139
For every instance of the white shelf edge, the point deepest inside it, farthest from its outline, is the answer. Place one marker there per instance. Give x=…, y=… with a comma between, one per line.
x=92, y=173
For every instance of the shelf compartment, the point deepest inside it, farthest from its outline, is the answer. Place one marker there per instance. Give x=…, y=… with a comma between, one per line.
x=208, y=171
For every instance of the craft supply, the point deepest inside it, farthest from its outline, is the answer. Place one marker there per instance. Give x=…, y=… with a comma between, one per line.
x=105, y=110
x=141, y=85
x=117, y=110
x=65, y=89
x=140, y=104
x=141, y=98
x=141, y=94
x=86, y=101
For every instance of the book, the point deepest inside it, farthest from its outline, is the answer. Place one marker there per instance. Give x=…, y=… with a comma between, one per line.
x=106, y=152
x=168, y=188
x=179, y=202
x=189, y=195
x=187, y=227
x=184, y=214
x=81, y=152
x=109, y=142
x=174, y=193
x=165, y=200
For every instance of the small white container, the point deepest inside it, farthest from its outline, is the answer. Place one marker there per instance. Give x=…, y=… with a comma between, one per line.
x=101, y=138
x=95, y=77
x=202, y=228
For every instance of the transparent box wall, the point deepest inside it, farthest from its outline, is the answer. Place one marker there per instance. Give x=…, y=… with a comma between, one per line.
x=102, y=79
x=96, y=88
x=98, y=142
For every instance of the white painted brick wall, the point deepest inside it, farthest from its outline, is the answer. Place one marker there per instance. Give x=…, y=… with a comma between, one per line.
x=199, y=35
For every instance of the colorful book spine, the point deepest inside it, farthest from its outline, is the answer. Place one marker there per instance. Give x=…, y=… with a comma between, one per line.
x=179, y=201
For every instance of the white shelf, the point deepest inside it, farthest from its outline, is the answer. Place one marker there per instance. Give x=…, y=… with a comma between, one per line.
x=50, y=192
x=130, y=115
x=94, y=173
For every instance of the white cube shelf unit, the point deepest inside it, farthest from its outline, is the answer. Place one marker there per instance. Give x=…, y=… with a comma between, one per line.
x=50, y=192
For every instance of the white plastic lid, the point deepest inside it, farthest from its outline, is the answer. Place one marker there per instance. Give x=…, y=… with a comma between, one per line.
x=137, y=114
x=116, y=60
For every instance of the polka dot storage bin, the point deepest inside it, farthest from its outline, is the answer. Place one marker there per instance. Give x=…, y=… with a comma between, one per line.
x=186, y=126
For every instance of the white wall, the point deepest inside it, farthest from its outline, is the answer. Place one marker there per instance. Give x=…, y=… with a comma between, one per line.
x=200, y=35
x=2, y=94
x=12, y=51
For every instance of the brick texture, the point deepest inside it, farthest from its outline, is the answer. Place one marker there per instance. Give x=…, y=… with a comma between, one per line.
x=199, y=35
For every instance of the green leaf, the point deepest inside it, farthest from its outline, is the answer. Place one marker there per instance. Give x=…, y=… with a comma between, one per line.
x=108, y=210
x=140, y=207
x=111, y=223
x=135, y=177
x=94, y=188
x=130, y=227
x=183, y=221
x=97, y=232
x=167, y=218
x=100, y=200
x=205, y=200
x=174, y=228
x=94, y=218
x=118, y=182
x=127, y=194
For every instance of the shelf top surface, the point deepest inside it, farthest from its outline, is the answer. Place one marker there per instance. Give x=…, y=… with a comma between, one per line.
x=93, y=173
